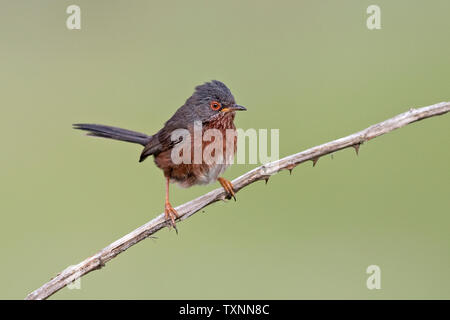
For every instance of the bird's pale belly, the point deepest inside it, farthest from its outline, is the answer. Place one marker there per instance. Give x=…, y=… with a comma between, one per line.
x=212, y=174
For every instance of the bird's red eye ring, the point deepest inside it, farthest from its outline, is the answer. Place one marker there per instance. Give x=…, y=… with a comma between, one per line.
x=215, y=105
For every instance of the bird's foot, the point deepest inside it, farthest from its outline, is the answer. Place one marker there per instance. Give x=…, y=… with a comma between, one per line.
x=171, y=214
x=228, y=186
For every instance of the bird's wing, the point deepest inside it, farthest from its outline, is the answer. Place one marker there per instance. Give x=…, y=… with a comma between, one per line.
x=163, y=140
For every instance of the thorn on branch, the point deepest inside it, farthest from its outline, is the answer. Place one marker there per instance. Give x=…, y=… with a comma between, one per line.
x=314, y=161
x=265, y=178
x=356, y=147
x=290, y=168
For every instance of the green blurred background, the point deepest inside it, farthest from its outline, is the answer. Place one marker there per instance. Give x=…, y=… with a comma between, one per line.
x=310, y=68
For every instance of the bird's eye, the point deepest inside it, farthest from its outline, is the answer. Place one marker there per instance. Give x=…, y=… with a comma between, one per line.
x=215, y=105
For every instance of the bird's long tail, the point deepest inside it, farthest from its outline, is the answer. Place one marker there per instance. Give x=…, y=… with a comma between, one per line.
x=98, y=130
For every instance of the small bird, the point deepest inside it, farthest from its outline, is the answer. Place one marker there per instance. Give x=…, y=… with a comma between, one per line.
x=212, y=105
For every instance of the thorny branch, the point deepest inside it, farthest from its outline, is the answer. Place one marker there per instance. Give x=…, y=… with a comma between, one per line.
x=264, y=172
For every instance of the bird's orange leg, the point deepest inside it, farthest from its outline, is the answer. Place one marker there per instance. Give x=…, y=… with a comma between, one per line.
x=169, y=212
x=228, y=186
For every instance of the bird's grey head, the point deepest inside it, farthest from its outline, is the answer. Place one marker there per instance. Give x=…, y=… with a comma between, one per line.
x=212, y=99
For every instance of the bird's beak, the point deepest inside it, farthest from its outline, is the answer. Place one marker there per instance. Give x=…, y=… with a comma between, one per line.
x=236, y=107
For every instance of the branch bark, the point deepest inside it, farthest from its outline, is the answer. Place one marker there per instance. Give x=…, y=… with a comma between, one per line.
x=263, y=172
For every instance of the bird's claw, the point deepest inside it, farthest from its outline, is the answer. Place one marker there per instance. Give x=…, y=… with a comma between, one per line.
x=171, y=214
x=228, y=186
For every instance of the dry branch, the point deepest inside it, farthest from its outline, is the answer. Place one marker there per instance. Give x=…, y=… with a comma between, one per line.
x=260, y=173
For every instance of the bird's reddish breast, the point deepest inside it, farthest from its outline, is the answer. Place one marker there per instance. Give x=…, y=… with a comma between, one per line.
x=188, y=174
